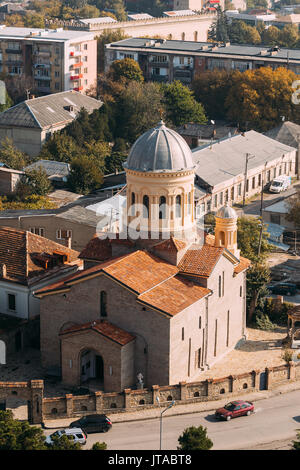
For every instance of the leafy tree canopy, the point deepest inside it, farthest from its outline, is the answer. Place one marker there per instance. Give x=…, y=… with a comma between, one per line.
x=194, y=438
x=127, y=69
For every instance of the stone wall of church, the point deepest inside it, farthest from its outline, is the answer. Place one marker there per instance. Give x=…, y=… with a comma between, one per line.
x=82, y=304
x=226, y=313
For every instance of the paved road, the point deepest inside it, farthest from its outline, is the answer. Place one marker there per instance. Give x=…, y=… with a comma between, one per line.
x=253, y=208
x=273, y=425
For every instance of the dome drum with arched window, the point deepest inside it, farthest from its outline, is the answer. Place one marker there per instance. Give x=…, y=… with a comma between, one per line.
x=160, y=184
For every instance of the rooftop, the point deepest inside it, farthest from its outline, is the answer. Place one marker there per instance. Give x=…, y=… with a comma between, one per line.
x=225, y=159
x=51, y=167
x=48, y=111
x=27, y=255
x=287, y=133
x=43, y=35
x=103, y=327
x=208, y=49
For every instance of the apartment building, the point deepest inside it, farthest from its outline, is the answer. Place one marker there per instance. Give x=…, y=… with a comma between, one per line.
x=167, y=60
x=56, y=59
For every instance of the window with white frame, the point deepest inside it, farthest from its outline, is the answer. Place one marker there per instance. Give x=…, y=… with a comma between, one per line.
x=38, y=231
x=61, y=234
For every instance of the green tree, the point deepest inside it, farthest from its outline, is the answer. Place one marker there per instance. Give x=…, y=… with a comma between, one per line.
x=211, y=88
x=106, y=37
x=85, y=175
x=19, y=435
x=63, y=443
x=293, y=205
x=10, y=155
x=270, y=36
x=258, y=276
x=194, y=438
x=137, y=109
x=249, y=229
x=218, y=30
x=37, y=181
x=60, y=147
x=296, y=444
x=127, y=69
x=114, y=162
x=99, y=446
x=181, y=106
x=288, y=36
x=88, y=11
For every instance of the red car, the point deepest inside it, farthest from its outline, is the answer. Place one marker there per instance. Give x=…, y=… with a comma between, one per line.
x=235, y=409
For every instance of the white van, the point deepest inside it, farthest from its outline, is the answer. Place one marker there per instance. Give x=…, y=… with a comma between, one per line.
x=74, y=434
x=281, y=183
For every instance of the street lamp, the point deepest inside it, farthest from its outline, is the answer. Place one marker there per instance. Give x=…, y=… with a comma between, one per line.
x=170, y=406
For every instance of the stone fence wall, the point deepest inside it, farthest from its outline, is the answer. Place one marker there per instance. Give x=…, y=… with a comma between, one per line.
x=183, y=393
x=74, y=24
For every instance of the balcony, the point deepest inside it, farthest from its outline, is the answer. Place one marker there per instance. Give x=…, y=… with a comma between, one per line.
x=79, y=88
x=13, y=62
x=42, y=53
x=76, y=77
x=42, y=77
x=42, y=65
x=79, y=64
x=44, y=89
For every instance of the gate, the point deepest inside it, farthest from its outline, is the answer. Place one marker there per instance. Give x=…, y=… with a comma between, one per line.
x=262, y=381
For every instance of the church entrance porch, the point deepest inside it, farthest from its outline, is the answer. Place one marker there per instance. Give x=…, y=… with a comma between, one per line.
x=97, y=356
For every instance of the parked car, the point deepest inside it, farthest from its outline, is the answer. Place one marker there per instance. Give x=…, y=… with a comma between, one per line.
x=283, y=288
x=93, y=423
x=75, y=434
x=235, y=409
x=281, y=183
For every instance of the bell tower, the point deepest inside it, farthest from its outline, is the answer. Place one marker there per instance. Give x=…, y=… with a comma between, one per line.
x=226, y=229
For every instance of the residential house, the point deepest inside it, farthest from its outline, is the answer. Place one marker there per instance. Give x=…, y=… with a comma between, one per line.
x=31, y=123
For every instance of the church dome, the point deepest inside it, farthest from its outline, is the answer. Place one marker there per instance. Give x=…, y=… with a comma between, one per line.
x=160, y=149
x=226, y=212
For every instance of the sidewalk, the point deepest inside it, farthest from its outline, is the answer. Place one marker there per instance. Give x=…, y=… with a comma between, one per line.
x=179, y=409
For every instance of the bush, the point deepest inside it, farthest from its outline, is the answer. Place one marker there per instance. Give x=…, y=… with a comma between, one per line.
x=287, y=355
x=99, y=446
x=195, y=438
x=263, y=322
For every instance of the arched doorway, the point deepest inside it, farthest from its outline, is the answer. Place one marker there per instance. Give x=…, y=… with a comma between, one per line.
x=91, y=368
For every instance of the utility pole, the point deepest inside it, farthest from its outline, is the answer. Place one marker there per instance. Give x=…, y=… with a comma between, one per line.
x=261, y=210
x=246, y=171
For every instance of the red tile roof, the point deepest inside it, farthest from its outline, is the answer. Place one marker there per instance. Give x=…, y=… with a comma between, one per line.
x=243, y=264
x=22, y=253
x=97, y=249
x=110, y=331
x=200, y=262
x=174, y=295
x=171, y=245
x=138, y=271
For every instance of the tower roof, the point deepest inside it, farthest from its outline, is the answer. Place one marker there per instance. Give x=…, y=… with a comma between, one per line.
x=227, y=212
x=160, y=149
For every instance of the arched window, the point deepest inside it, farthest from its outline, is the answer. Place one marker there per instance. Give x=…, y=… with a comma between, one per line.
x=145, y=207
x=183, y=36
x=162, y=207
x=178, y=206
x=132, y=203
x=222, y=238
x=196, y=36
x=103, y=301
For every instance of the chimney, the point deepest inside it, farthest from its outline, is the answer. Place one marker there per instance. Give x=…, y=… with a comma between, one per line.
x=3, y=270
x=68, y=242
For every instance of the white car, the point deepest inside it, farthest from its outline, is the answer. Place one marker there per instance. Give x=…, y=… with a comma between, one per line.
x=74, y=434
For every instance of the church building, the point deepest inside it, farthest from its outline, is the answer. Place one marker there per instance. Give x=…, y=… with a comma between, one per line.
x=164, y=302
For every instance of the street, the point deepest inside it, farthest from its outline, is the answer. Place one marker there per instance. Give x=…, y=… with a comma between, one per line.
x=275, y=420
